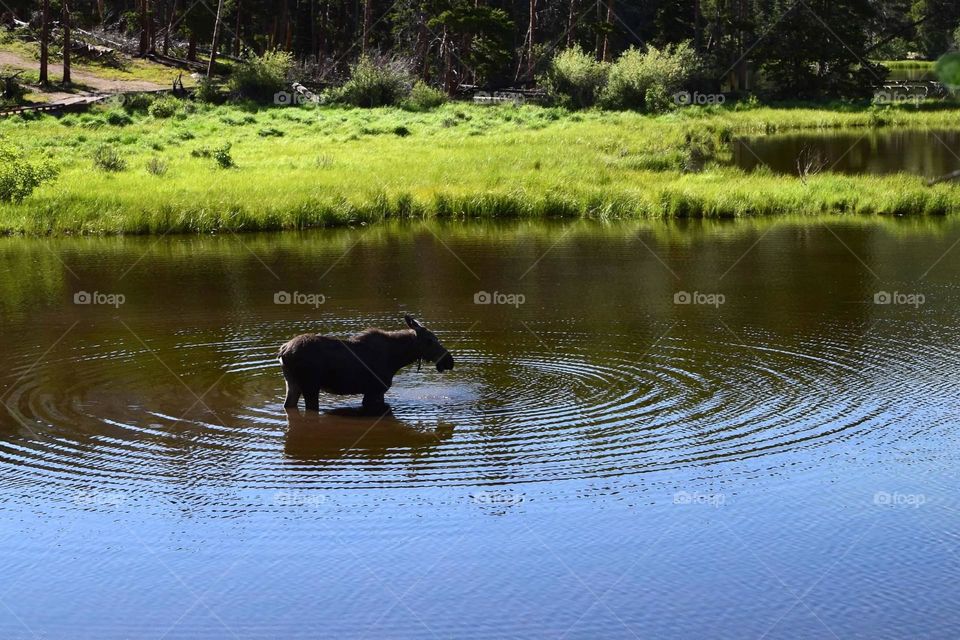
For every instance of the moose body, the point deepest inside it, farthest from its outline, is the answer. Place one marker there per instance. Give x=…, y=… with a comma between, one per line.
x=363, y=364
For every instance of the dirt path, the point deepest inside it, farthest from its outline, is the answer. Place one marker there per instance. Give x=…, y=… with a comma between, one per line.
x=96, y=84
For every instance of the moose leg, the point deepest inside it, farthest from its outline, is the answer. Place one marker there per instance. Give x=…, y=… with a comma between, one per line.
x=293, y=395
x=373, y=401
x=311, y=396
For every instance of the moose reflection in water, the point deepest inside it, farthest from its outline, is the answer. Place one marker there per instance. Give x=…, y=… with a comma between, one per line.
x=363, y=364
x=337, y=433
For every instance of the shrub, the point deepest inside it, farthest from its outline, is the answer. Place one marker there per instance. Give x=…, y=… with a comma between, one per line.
x=575, y=79
x=270, y=132
x=107, y=158
x=646, y=80
x=18, y=176
x=375, y=84
x=117, y=118
x=423, y=97
x=135, y=101
x=222, y=155
x=208, y=91
x=260, y=78
x=165, y=107
x=156, y=166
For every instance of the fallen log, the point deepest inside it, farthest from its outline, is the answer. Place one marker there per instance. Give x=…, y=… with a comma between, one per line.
x=953, y=175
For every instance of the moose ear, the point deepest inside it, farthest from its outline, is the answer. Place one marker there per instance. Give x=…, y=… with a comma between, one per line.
x=411, y=322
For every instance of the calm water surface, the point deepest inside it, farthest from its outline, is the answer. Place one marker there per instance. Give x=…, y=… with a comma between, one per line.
x=928, y=153
x=675, y=431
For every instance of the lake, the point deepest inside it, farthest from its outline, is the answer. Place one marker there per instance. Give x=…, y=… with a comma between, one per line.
x=665, y=430
x=928, y=153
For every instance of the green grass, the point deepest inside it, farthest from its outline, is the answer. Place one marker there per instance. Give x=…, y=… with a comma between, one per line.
x=304, y=167
x=907, y=64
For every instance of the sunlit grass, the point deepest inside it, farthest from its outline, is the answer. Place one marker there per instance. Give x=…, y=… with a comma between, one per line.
x=303, y=167
x=907, y=64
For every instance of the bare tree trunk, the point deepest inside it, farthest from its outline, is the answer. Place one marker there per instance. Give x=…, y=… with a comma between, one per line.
x=741, y=71
x=447, y=62
x=236, y=34
x=607, y=51
x=192, y=47
x=571, y=22
x=144, y=27
x=367, y=20
x=422, y=47
x=697, y=44
x=216, y=40
x=100, y=10
x=44, y=41
x=65, y=20
x=166, y=34
x=531, y=38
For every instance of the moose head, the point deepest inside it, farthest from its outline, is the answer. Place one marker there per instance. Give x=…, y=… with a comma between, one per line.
x=428, y=347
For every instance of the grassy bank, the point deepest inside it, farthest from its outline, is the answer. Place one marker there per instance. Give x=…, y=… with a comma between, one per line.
x=296, y=167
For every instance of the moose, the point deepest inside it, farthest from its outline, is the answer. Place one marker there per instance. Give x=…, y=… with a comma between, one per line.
x=362, y=364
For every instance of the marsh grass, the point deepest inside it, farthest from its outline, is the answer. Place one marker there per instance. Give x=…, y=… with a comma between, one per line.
x=339, y=166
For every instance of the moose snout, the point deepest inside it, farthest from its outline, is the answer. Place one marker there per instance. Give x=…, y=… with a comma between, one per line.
x=445, y=362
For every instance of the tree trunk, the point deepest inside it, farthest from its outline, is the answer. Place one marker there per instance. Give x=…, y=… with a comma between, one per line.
x=531, y=38
x=447, y=62
x=607, y=51
x=571, y=23
x=166, y=34
x=144, y=28
x=423, y=47
x=44, y=40
x=697, y=44
x=741, y=71
x=192, y=47
x=236, y=34
x=65, y=19
x=216, y=40
x=367, y=20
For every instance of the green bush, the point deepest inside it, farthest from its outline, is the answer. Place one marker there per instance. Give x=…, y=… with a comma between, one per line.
x=18, y=176
x=222, y=155
x=107, y=158
x=374, y=84
x=117, y=118
x=575, y=79
x=156, y=166
x=165, y=107
x=647, y=80
x=208, y=91
x=423, y=97
x=260, y=78
x=135, y=101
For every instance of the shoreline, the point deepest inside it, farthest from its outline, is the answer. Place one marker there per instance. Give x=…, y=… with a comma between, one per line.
x=318, y=167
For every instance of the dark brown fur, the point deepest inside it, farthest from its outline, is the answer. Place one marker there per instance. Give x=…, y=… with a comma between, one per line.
x=363, y=364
